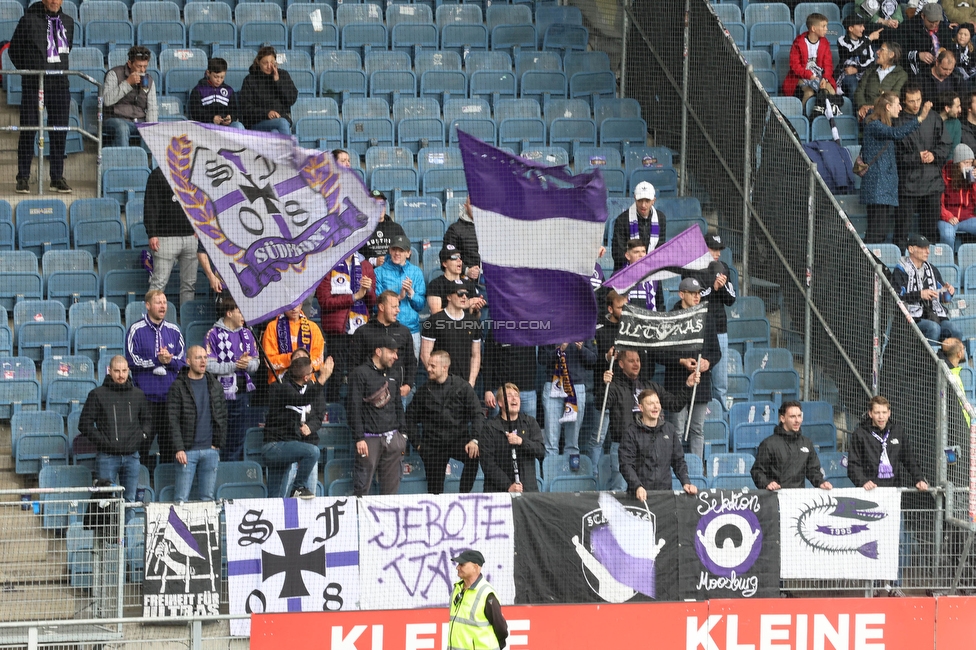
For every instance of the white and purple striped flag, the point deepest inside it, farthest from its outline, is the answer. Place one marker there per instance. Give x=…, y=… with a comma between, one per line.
x=274, y=217
x=539, y=231
x=687, y=251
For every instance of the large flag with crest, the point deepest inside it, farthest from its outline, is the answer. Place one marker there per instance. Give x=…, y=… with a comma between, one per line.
x=274, y=217
x=539, y=232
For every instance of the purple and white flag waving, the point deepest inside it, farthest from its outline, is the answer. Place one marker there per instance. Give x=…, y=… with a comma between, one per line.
x=686, y=251
x=274, y=217
x=539, y=231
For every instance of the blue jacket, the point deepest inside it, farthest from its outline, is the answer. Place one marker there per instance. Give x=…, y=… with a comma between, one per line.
x=391, y=276
x=141, y=353
x=879, y=186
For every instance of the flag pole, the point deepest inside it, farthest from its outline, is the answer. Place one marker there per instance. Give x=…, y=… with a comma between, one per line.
x=694, y=391
x=603, y=410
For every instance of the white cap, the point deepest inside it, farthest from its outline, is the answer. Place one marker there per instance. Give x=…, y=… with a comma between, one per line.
x=644, y=190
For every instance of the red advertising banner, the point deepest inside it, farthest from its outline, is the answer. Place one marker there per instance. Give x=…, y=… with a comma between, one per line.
x=767, y=624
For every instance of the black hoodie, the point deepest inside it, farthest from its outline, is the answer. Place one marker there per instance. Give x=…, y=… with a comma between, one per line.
x=28, y=46
x=116, y=418
x=648, y=454
x=261, y=94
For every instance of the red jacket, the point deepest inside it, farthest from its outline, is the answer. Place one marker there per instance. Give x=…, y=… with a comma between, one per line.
x=957, y=202
x=798, y=64
x=335, y=308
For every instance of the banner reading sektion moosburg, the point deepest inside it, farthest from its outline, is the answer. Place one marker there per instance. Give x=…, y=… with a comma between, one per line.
x=274, y=217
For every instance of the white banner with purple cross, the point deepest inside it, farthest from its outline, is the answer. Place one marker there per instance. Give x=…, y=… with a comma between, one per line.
x=291, y=555
x=274, y=217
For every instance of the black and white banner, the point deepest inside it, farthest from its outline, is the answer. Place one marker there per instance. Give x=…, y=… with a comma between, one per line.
x=291, y=555
x=407, y=543
x=729, y=544
x=595, y=547
x=182, y=571
x=678, y=331
x=848, y=533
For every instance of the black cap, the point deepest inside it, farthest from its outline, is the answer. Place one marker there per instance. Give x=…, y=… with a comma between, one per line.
x=714, y=242
x=854, y=19
x=376, y=194
x=402, y=242
x=470, y=555
x=919, y=240
x=385, y=341
x=448, y=252
x=458, y=286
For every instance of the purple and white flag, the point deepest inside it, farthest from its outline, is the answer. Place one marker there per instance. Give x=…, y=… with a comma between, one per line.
x=539, y=231
x=687, y=251
x=274, y=217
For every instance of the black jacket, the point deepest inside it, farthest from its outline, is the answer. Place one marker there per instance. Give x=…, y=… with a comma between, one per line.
x=284, y=423
x=675, y=374
x=182, y=411
x=502, y=363
x=115, y=418
x=717, y=300
x=461, y=235
x=207, y=102
x=864, y=455
x=379, y=242
x=405, y=368
x=496, y=453
x=648, y=454
x=786, y=458
x=916, y=178
x=261, y=94
x=444, y=412
x=28, y=46
x=370, y=409
x=622, y=400
x=163, y=215
x=914, y=38
x=621, y=235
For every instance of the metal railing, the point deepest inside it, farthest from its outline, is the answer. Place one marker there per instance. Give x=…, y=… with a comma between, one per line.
x=45, y=128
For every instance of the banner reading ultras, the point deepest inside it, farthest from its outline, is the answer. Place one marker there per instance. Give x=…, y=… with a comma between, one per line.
x=762, y=624
x=274, y=217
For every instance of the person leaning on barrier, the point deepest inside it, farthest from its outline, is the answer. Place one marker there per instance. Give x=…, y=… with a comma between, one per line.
x=476, y=615
x=197, y=425
x=130, y=97
x=787, y=457
x=879, y=452
x=919, y=285
x=510, y=445
x=115, y=418
x=651, y=449
x=41, y=41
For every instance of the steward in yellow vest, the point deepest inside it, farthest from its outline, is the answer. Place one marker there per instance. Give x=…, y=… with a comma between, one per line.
x=476, y=615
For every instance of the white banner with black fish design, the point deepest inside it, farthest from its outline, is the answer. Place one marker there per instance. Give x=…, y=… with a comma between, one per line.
x=291, y=555
x=847, y=533
x=274, y=217
x=182, y=570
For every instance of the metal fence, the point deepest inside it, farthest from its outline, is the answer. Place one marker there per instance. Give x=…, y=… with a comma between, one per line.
x=826, y=295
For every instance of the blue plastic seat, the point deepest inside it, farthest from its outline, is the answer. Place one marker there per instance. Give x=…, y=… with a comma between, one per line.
x=301, y=12
x=19, y=394
x=745, y=333
x=339, y=60
x=767, y=359
x=543, y=85
x=21, y=279
x=103, y=10
x=480, y=61
x=847, y=128
x=395, y=182
x=27, y=423
x=823, y=435
x=392, y=84
x=64, y=367
x=70, y=276
x=665, y=181
x=443, y=84
x=255, y=34
x=445, y=184
x=759, y=12
x=250, y=12
x=747, y=436
x=492, y=85
x=432, y=228
x=551, y=156
x=595, y=61
x=730, y=464
x=159, y=35
x=464, y=39
x=57, y=506
x=324, y=133
x=558, y=466
x=107, y=35
x=342, y=85
x=42, y=225
x=513, y=38
x=502, y=14
x=560, y=37
x=305, y=37
x=439, y=158
x=451, y=14
x=418, y=208
x=364, y=37
x=623, y=132
x=414, y=37
x=66, y=395
x=771, y=35
x=549, y=15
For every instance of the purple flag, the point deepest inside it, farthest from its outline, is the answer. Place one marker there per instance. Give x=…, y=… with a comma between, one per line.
x=539, y=231
x=179, y=535
x=686, y=251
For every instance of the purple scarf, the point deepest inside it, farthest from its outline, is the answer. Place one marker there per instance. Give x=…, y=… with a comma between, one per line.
x=57, y=39
x=655, y=233
x=283, y=327
x=885, y=470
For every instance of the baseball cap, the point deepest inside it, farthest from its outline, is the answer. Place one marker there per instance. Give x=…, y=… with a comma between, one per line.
x=854, y=19
x=690, y=284
x=449, y=252
x=402, y=242
x=714, y=242
x=385, y=341
x=917, y=239
x=470, y=555
x=644, y=190
x=376, y=194
x=932, y=11
x=459, y=286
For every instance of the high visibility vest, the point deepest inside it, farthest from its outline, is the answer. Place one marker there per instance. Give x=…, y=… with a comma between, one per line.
x=956, y=374
x=470, y=629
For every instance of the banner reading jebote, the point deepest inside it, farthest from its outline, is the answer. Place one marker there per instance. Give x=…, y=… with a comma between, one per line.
x=274, y=217
x=406, y=544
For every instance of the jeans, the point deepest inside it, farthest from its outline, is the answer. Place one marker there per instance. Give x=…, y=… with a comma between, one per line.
x=121, y=130
x=236, y=125
x=284, y=478
x=277, y=125
x=238, y=418
x=202, y=463
x=121, y=470
x=720, y=373
x=616, y=482
x=696, y=434
x=281, y=454
x=947, y=232
x=170, y=250
x=553, y=408
x=848, y=85
x=937, y=331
